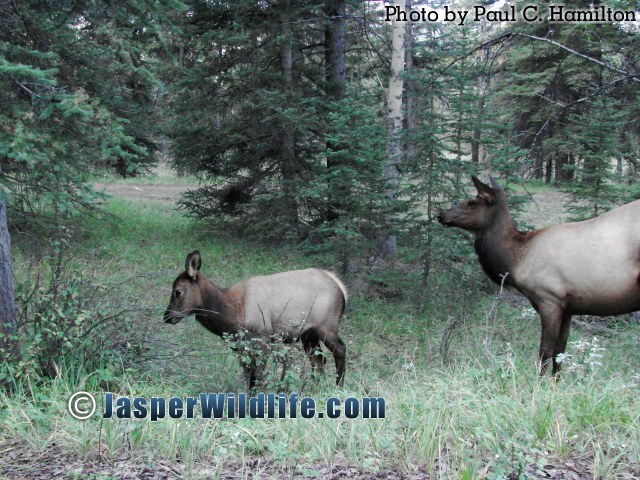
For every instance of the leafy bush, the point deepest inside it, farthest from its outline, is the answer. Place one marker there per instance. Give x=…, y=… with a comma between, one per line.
x=283, y=367
x=66, y=317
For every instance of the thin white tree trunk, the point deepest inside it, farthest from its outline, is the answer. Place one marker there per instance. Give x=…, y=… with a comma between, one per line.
x=394, y=122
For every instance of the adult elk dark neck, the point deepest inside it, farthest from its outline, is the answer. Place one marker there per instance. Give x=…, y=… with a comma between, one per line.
x=499, y=244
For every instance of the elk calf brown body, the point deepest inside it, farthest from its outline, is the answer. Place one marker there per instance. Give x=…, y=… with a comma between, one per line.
x=300, y=304
x=582, y=268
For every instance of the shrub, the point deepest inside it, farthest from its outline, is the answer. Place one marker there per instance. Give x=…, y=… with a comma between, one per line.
x=64, y=316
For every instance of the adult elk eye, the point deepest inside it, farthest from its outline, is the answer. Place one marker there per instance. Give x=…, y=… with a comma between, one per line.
x=472, y=203
x=178, y=293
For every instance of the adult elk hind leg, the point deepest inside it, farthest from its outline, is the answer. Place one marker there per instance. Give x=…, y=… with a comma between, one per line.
x=561, y=342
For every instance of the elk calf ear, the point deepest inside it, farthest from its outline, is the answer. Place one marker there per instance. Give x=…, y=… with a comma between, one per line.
x=193, y=264
x=484, y=190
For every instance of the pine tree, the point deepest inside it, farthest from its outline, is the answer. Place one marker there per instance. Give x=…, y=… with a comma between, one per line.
x=245, y=112
x=354, y=124
x=77, y=93
x=551, y=79
x=595, y=190
x=254, y=111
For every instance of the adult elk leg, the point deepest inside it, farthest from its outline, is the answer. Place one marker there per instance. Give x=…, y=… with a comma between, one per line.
x=561, y=342
x=311, y=343
x=551, y=318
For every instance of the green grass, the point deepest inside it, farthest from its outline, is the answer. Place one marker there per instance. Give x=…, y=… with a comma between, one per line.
x=481, y=411
x=159, y=175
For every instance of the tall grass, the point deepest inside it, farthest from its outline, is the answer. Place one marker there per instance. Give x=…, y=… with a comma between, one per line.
x=476, y=409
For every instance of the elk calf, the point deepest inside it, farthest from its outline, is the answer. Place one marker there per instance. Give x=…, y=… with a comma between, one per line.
x=300, y=304
x=581, y=268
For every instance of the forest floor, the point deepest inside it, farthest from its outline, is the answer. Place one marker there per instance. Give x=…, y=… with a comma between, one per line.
x=59, y=463
x=62, y=464
x=468, y=418
x=158, y=193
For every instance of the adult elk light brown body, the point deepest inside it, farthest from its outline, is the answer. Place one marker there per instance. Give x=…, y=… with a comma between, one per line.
x=300, y=304
x=582, y=268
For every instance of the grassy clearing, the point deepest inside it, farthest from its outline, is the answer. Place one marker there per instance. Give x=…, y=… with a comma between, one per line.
x=473, y=408
x=162, y=174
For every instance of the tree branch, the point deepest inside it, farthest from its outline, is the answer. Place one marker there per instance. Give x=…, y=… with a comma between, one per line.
x=634, y=77
x=571, y=104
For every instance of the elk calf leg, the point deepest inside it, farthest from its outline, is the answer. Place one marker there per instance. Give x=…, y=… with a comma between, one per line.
x=256, y=362
x=335, y=344
x=311, y=343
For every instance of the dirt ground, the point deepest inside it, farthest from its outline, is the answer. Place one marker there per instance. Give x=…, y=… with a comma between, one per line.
x=159, y=193
x=18, y=462
x=545, y=208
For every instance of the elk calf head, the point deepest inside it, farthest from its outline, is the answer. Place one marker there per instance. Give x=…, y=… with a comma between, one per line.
x=186, y=293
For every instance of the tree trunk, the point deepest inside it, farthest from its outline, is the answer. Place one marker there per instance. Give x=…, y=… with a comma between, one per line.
x=562, y=174
x=287, y=146
x=334, y=52
x=394, y=123
x=538, y=163
x=8, y=321
x=475, y=146
x=547, y=172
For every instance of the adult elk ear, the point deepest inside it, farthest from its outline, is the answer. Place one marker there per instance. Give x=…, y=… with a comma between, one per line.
x=484, y=190
x=193, y=264
x=494, y=184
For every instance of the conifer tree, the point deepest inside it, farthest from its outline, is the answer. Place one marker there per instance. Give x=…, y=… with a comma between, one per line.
x=553, y=73
x=77, y=89
x=595, y=190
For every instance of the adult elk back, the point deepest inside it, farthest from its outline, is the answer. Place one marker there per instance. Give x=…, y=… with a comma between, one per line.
x=581, y=268
x=300, y=304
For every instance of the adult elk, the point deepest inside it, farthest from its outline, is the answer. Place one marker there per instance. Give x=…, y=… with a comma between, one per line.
x=582, y=268
x=299, y=304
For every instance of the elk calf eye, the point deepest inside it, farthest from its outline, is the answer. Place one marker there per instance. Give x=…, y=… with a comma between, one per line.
x=178, y=293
